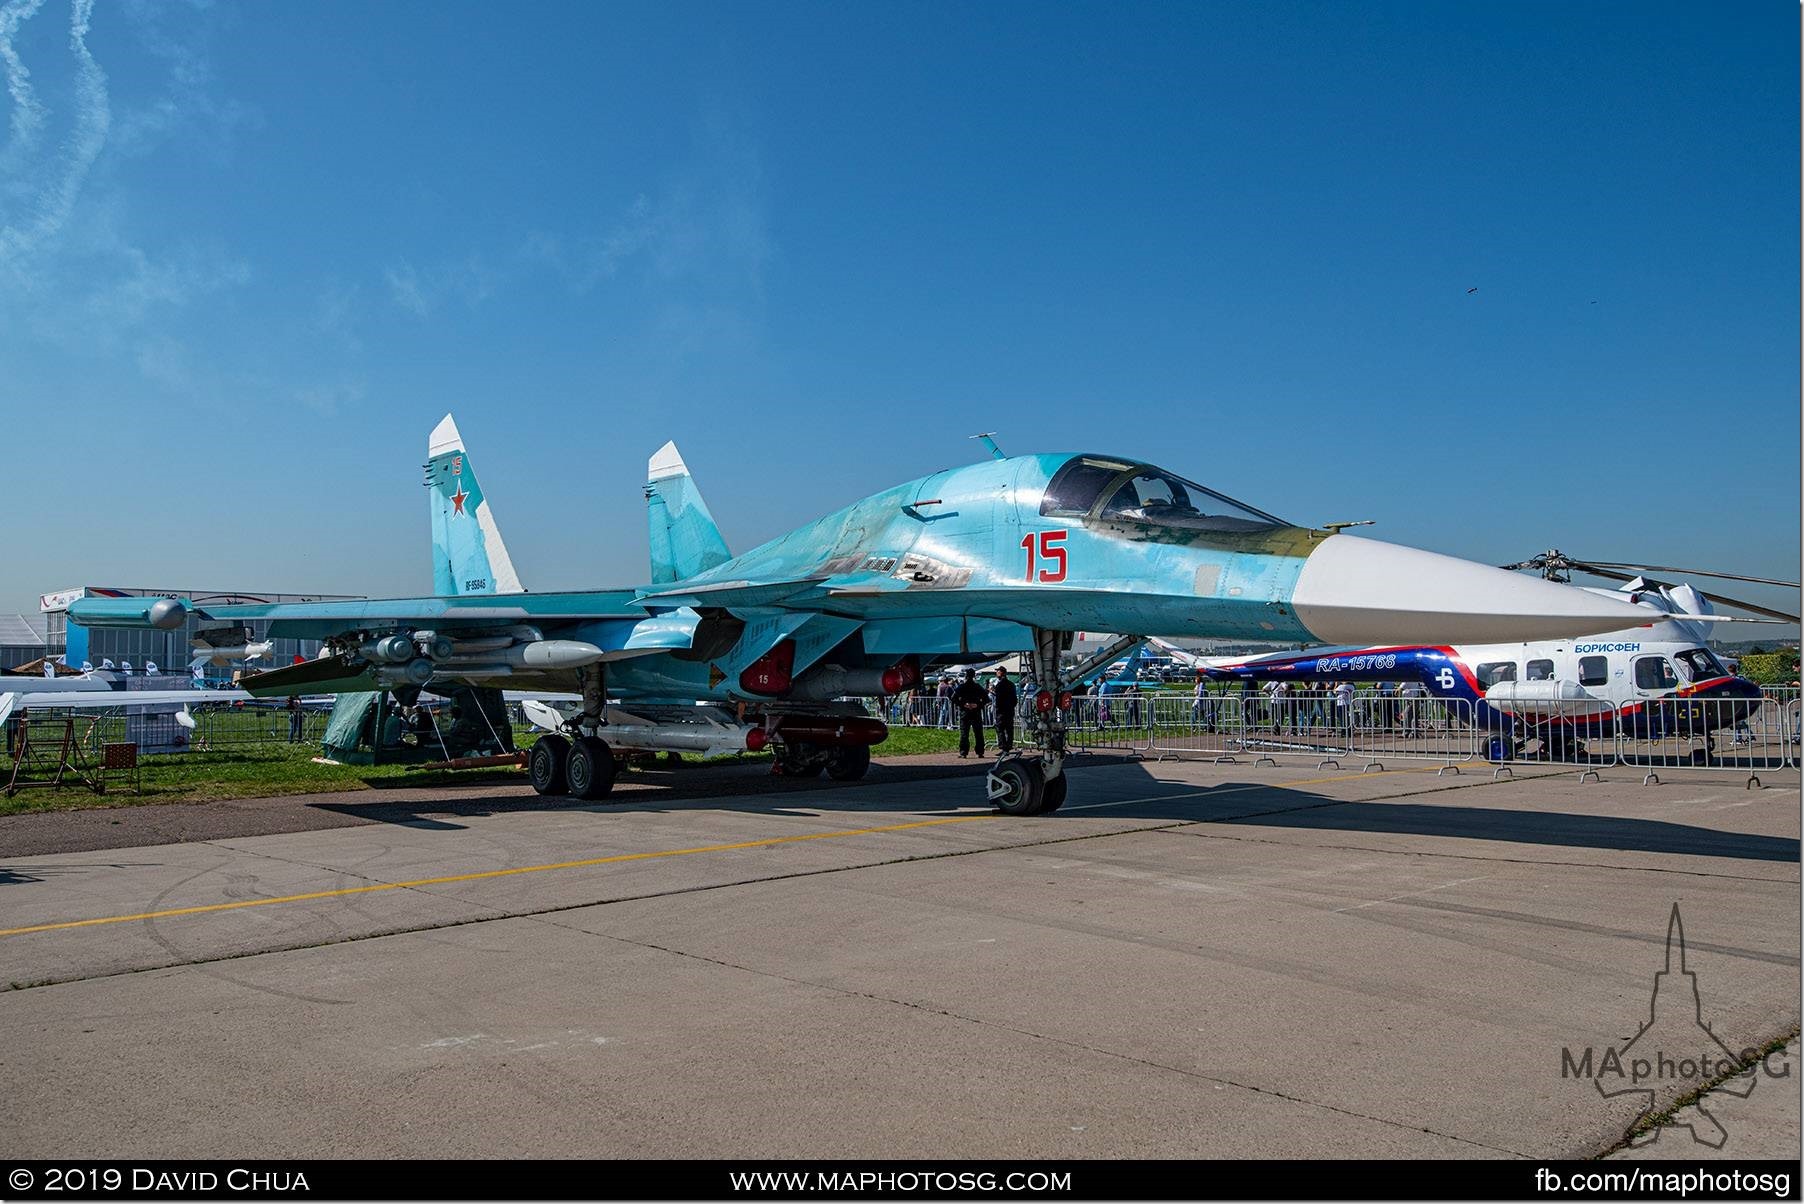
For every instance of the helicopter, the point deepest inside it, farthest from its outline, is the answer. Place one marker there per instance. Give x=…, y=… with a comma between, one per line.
x=1659, y=679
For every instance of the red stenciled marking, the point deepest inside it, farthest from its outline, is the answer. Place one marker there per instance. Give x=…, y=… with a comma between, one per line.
x=1050, y=546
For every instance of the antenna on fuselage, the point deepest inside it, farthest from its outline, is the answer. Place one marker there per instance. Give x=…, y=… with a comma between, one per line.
x=989, y=442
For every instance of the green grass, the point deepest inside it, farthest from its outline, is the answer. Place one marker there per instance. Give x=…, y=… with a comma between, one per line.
x=269, y=770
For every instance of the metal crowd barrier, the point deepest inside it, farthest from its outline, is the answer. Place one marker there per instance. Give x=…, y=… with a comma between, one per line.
x=1212, y=726
x=1679, y=734
x=1369, y=729
x=1116, y=722
x=155, y=728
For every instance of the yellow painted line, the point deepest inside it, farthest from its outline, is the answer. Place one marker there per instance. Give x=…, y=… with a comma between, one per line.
x=376, y=887
x=474, y=877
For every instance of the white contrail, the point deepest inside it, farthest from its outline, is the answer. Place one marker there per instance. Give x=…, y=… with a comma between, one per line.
x=28, y=114
x=93, y=117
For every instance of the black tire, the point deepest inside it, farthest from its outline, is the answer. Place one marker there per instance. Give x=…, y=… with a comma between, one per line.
x=1052, y=796
x=849, y=763
x=590, y=768
x=1025, y=786
x=545, y=765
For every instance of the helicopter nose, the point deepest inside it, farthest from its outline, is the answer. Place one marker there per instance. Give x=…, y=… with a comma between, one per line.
x=1364, y=591
x=1741, y=687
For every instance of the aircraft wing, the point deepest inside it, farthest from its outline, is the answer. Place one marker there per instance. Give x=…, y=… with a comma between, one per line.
x=100, y=700
x=321, y=620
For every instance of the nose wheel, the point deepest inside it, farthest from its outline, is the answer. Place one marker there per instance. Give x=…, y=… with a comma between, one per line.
x=1017, y=786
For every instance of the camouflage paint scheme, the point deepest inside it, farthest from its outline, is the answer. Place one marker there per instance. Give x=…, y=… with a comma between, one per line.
x=958, y=566
x=936, y=568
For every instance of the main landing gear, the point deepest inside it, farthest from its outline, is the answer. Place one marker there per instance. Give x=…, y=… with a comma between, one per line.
x=579, y=763
x=583, y=767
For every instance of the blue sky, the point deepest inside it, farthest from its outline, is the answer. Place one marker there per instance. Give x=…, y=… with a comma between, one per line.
x=250, y=253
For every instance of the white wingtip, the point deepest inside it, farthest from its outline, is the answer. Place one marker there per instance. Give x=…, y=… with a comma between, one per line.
x=444, y=438
x=667, y=461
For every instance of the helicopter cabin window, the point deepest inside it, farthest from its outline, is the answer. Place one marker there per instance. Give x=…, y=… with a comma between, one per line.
x=1489, y=675
x=1159, y=499
x=1594, y=670
x=1654, y=673
x=1697, y=664
x=1541, y=670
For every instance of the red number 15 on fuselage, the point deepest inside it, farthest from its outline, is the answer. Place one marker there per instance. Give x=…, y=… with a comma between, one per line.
x=1051, y=545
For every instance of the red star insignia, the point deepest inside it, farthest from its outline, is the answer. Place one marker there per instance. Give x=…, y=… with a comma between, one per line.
x=457, y=499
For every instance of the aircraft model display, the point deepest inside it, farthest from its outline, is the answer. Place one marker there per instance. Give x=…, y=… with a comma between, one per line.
x=958, y=567
x=1560, y=692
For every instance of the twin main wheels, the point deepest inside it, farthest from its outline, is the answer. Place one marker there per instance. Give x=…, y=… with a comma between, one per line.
x=583, y=767
x=1019, y=786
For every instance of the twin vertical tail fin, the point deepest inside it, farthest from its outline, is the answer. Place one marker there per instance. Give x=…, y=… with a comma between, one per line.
x=468, y=556
x=685, y=540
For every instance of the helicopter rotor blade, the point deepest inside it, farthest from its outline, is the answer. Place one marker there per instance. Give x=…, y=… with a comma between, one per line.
x=1740, y=605
x=1613, y=572
x=1655, y=568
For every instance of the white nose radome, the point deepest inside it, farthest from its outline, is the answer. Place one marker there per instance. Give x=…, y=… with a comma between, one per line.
x=1362, y=591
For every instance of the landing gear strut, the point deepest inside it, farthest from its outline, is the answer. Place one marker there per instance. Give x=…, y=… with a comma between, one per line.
x=578, y=762
x=1033, y=782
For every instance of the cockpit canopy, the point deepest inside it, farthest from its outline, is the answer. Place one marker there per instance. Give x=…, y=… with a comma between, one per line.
x=1120, y=491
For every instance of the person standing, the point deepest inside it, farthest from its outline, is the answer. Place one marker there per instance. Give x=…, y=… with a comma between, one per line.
x=1343, y=705
x=1202, y=710
x=294, y=718
x=1004, y=695
x=968, y=700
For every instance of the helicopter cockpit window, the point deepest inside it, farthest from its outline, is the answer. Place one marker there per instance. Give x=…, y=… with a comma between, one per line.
x=1157, y=498
x=1697, y=664
x=1655, y=673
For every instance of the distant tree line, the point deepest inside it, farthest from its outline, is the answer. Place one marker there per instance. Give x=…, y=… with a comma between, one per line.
x=1771, y=668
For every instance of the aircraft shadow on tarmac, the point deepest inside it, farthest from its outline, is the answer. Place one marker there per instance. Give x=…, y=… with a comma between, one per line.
x=747, y=788
x=1266, y=804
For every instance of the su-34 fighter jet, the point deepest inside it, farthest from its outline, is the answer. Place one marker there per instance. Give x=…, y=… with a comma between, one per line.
x=771, y=648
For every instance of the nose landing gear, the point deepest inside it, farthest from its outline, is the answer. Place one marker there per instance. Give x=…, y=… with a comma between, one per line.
x=1033, y=782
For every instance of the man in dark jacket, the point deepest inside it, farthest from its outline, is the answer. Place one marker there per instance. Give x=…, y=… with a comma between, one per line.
x=969, y=700
x=1004, y=694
